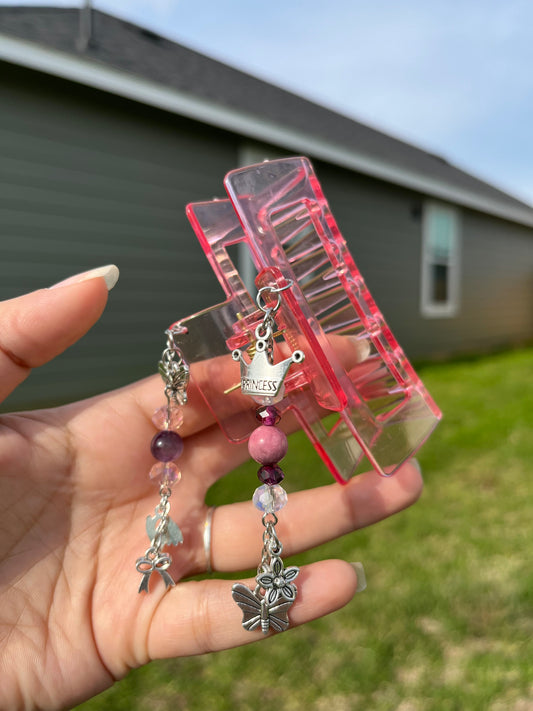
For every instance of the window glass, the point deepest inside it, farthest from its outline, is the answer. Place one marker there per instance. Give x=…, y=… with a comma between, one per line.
x=440, y=235
x=440, y=261
x=440, y=283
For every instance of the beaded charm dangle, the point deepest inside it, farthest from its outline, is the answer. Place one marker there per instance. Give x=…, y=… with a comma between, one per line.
x=266, y=607
x=166, y=447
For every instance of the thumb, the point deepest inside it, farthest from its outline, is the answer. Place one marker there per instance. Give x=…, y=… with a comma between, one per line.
x=36, y=327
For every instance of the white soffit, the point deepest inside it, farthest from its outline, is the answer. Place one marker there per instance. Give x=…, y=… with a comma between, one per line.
x=121, y=83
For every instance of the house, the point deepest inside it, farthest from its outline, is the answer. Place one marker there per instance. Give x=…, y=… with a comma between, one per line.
x=107, y=130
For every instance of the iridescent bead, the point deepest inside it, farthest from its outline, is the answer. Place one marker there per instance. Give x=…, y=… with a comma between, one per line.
x=268, y=415
x=267, y=444
x=166, y=446
x=271, y=474
x=161, y=421
x=165, y=473
x=270, y=498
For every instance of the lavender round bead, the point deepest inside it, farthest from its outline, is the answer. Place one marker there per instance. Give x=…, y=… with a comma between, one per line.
x=270, y=474
x=268, y=444
x=166, y=446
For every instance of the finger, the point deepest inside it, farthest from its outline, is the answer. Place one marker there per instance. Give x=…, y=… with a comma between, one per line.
x=215, y=388
x=236, y=529
x=214, y=619
x=148, y=395
x=36, y=327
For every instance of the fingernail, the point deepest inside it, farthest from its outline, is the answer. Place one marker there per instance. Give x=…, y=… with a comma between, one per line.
x=362, y=346
x=361, y=577
x=109, y=273
x=416, y=464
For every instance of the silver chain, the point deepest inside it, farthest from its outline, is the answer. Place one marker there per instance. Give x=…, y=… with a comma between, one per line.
x=271, y=544
x=163, y=511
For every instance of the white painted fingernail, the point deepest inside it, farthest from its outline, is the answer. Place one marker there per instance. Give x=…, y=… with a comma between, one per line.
x=361, y=577
x=362, y=346
x=416, y=464
x=109, y=273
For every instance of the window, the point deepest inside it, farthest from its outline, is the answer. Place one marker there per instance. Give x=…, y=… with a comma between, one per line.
x=440, y=261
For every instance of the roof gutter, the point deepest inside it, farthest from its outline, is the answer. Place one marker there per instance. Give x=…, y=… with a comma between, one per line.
x=121, y=83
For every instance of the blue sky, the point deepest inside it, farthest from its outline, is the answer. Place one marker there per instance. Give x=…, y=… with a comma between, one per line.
x=454, y=77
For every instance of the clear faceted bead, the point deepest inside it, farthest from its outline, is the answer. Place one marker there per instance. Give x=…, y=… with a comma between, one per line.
x=270, y=498
x=165, y=473
x=161, y=420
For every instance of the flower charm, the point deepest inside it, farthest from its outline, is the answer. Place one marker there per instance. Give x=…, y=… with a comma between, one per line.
x=278, y=582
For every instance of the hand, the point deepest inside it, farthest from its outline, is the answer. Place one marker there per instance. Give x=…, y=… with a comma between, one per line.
x=74, y=495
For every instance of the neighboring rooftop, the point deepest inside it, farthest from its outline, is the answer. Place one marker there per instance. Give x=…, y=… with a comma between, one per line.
x=131, y=61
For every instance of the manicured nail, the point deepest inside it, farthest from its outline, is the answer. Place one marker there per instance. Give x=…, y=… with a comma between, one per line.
x=109, y=273
x=362, y=346
x=361, y=577
x=416, y=464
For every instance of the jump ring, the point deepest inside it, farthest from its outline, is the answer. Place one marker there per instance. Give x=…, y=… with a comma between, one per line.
x=272, y=290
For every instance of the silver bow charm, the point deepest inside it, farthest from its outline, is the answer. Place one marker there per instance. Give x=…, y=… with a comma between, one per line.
x=154, y=562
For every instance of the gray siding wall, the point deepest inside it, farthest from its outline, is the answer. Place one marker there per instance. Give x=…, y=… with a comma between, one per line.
x=383, y=226
x=87, y=179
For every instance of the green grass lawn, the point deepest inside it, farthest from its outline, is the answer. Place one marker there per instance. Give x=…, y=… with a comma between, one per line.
x=447, y=620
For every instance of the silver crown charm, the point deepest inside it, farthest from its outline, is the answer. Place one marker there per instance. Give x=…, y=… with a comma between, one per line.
x=260, y=377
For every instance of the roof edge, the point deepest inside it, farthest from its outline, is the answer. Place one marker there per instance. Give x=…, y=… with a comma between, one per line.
x=115, y=81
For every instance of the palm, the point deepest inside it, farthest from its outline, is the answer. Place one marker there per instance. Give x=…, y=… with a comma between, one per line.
x=74, y=494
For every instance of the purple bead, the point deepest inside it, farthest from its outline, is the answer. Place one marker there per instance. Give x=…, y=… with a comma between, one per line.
x=271, y=474
x=268, y=415
x=166, y=446
x=267, y=444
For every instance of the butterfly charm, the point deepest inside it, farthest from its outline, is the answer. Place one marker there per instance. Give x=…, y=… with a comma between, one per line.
x=257, y=612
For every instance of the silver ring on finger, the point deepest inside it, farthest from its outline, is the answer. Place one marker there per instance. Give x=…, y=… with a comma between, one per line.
x=208, y=524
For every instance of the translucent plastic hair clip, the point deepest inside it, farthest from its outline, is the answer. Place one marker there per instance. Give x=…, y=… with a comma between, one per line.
x=355, y=393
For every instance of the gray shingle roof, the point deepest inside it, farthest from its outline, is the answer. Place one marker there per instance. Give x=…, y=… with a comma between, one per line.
x=124, y=46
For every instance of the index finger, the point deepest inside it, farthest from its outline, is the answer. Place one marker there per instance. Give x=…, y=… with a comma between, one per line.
x=214, y=387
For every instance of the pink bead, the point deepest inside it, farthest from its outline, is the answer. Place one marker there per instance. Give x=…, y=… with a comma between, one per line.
x=161, y=421
x=267, y=444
